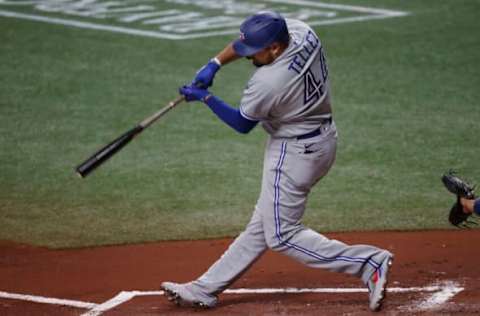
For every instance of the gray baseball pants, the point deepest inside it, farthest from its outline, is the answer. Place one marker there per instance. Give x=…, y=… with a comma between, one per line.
x=291, y=168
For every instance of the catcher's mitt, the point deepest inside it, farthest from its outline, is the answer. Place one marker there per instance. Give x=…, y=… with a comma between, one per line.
x=460, y=188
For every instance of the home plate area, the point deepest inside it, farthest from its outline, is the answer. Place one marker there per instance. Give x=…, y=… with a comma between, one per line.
x=429, y=298
x=434, y=272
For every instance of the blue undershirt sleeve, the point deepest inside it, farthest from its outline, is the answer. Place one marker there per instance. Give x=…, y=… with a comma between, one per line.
x=231, y=116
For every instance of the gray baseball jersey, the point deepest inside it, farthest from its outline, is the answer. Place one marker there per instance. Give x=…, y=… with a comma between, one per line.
x=291, y=95
x=292, y=100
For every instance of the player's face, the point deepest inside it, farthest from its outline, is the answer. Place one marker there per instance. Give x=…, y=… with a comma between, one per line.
x=266, y=56
x=262, y=58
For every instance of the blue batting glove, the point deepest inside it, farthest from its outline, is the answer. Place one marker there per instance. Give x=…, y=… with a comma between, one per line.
x=204, y=76
x=193, y=93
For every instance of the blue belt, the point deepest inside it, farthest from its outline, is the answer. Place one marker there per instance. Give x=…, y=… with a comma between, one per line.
x=315, y=132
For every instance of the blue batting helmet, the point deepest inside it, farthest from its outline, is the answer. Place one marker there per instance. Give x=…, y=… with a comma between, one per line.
x=260, y=30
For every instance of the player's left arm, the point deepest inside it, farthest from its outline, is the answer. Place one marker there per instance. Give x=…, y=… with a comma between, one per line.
x=227, y=55
x=228, y=114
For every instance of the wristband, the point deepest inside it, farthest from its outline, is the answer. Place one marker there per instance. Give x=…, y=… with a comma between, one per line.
x=205, y=98
x=216, y=61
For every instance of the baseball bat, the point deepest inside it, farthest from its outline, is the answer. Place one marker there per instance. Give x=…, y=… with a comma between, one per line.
x=104, y=153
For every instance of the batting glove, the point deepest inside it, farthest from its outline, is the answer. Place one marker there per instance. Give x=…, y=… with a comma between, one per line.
x=204, y=76
x=193, y=93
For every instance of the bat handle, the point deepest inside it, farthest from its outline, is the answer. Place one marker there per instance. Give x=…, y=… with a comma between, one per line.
x=150, y=120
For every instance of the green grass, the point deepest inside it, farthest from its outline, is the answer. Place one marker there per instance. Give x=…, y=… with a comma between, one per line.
x=405, y=101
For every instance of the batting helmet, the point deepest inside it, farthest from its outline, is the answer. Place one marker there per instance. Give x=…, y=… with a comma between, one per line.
x=260, y=30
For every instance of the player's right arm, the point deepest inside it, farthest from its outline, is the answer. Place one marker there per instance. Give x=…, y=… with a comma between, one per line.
x=204, y=76
x=228, y=114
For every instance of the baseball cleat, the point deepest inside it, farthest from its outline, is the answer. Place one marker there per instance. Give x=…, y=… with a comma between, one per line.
x=183, y=295
x=377, y=284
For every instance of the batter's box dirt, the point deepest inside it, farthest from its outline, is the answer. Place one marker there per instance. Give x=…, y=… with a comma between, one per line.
x=270, y=304
x=90, y=277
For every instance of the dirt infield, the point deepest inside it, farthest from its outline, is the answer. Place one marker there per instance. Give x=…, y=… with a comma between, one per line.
x=435, y=272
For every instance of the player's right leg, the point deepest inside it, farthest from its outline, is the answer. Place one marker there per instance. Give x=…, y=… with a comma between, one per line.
x=377, y=284
x=286, y=183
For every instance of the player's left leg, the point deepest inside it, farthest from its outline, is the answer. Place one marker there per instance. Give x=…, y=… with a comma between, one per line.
x=240, y=255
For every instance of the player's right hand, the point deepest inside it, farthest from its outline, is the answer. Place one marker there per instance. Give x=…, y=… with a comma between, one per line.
x=205, y=75
x=193, y=93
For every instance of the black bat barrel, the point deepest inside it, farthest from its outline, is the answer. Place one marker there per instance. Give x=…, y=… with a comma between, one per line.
x=106, y=152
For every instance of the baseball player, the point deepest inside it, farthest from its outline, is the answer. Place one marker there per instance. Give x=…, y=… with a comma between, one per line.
x=289, y=94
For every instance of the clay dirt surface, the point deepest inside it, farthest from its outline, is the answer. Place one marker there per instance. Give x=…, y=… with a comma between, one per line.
x=445, y=258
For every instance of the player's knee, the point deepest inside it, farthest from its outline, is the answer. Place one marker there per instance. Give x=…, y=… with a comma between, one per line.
x=278, y=239
x=275, y=241
x=272, y=241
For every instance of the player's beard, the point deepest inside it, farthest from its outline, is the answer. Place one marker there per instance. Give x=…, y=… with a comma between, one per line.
x=257, y=64
x=263, y=60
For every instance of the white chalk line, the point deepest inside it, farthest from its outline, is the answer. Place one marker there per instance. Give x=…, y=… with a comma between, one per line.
x=373, y=14
x=121, y=298
x=344, y=7
x=162, y=35
x=89, y=25
x=442, y=292
x=47, y=300
x=449, y=290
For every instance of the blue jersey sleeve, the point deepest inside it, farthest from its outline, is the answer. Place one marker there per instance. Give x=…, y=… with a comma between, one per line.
x=231, y=116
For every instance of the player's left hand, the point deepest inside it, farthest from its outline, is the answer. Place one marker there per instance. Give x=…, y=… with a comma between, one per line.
x=205, y=75
x=193, y=93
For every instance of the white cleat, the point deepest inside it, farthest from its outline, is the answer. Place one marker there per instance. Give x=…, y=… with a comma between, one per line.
x=183, y=295
x=377, y=284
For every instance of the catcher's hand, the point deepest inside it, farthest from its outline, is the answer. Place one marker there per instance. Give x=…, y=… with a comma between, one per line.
x=461, y=189
x=458, y=217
